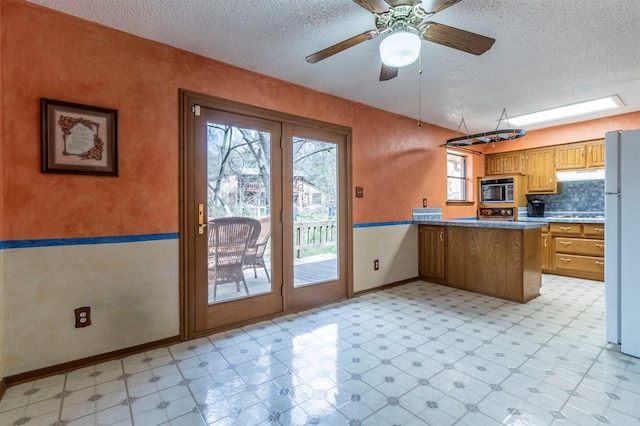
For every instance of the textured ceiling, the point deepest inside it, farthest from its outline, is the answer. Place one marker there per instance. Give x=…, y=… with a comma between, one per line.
x=547, y=52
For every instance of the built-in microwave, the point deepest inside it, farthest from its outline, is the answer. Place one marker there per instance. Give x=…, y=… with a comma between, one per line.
x=496, y=190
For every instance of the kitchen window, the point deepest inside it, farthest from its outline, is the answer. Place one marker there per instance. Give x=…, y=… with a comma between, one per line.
x=456, y=176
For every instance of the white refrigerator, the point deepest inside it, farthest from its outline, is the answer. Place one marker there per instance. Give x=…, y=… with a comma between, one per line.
x=622, y=240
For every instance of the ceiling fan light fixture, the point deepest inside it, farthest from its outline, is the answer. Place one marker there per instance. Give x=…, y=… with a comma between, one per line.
x=400, y=49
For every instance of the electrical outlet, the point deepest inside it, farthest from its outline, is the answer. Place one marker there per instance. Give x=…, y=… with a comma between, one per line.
x=424, y=202
x=376, y=265
x=83, y=316
x=359, y=192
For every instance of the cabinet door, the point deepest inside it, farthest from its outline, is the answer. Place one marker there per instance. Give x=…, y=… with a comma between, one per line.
x=493, y=165
x=570, y=157
x=513, y=163
x=546, y=251
x=541, y=172
x=431, y=249
x=595, y=155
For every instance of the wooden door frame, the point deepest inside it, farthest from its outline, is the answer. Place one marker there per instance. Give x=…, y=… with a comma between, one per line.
x=187, y=210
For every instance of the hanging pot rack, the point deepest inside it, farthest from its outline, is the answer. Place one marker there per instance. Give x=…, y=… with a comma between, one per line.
x=485, y=137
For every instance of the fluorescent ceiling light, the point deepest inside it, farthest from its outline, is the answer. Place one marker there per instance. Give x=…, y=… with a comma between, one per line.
x=399, y=49
x=573, y=110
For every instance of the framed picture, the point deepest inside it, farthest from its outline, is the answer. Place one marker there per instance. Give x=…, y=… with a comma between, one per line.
x=78, y=139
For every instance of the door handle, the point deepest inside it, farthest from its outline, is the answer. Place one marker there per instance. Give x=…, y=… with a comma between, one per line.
x=599, y=262
x=202, y=225
x=599, y=245
x=441, y=236
x=565, y=259
x=598, y=229
x=565, y=228
x=565, y=243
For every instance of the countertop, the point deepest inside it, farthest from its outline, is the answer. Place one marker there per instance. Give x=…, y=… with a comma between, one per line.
x=474, y=223
x=565, y=219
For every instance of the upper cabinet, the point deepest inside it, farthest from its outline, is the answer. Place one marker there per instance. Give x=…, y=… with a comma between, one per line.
x=540, y=164
x=595, y=154
x=507, y=163
x=570, y=157
x=541, y=171
x=580, y=156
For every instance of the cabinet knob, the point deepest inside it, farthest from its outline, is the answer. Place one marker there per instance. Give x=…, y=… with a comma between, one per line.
x=565, y=228
x=441, y=236
x=598, y=229
x=599, y=262
x=565, y=243
x=599, y=245
x=565, y=259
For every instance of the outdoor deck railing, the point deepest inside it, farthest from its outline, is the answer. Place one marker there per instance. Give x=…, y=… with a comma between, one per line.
x=313, y=234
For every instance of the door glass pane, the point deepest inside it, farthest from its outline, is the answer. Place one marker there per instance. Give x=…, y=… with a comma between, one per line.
x=239, y=186
x=315, y=206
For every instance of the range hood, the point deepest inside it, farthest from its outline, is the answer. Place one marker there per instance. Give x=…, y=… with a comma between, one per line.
x=574, y=175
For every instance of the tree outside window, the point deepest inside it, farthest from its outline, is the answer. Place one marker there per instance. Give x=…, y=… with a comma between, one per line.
x=456, y=177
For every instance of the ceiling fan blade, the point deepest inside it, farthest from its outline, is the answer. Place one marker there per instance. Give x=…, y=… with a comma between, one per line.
x=435, y=6
x=373, y=6
x=456, y=38
x=387, y=72
x=394, y=3
x=343, y=45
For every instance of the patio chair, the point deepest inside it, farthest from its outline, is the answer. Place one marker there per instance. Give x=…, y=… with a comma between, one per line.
x=255, y=253
x=229, y=238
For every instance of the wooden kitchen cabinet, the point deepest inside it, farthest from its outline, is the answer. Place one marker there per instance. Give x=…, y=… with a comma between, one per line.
x=578, y=250
x=432, y=252
x=508, y=163
x=580, y=156
x=595, y=154
x=545, y=245
x=571, y=157
x=593, y=230
x=541, y=171
x=498, y=262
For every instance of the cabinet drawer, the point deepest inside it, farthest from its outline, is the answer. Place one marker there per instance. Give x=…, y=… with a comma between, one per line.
x=565, y=228
x=594, y=230
x=580, y=246
x=574, y=262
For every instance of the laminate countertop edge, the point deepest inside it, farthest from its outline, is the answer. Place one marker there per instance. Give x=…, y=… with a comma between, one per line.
x=482, y=223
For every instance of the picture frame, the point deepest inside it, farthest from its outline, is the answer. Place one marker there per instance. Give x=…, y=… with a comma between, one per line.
x=78, y=139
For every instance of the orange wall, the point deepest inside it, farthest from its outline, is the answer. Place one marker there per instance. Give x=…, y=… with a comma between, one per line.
x=60, y=57
x=577, y=132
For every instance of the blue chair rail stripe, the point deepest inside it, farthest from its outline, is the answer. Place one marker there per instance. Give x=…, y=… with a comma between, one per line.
x=53, y=242
x=374, y=224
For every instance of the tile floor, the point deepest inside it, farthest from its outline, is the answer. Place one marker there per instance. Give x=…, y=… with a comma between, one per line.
x=417, y=354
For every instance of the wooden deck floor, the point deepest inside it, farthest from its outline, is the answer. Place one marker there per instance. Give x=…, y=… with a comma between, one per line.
x=308, y=270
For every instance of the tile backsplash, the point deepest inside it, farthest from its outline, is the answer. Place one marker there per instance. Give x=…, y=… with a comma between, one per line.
x=575, y=196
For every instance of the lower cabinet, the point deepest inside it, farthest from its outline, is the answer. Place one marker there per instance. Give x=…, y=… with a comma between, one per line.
x=432, y=249
x=497, y=262
x=578, y=250
x=545, y=244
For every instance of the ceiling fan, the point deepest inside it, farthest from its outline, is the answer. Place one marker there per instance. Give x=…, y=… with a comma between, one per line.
x=405, y=21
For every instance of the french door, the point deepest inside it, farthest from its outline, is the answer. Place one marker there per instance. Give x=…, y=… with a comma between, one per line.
x=316, y=251
x=266, y=217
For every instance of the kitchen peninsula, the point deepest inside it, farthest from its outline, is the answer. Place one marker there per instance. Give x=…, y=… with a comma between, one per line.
x=495, y=258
